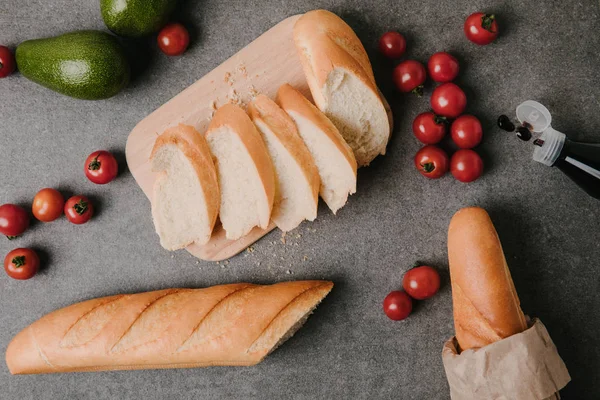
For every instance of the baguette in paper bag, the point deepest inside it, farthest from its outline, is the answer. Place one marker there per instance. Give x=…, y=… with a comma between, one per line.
x=494, y=355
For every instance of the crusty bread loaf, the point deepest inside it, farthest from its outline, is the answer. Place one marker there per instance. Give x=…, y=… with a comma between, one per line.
x=237, y=324
x=185, y=200
x=245, y=171
x=486, y=305
x=341, y=81
x=296, y=176
x=332, y=155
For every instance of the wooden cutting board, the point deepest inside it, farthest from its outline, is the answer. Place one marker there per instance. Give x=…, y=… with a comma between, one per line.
x=261, y=67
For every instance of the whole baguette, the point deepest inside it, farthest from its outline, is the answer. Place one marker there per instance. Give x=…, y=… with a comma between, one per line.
x=237, y=324
x=485, y=302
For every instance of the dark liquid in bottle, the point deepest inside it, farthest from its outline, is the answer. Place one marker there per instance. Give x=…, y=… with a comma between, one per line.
x=581, y=163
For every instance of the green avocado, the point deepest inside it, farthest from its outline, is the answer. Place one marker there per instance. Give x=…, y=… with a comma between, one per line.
x=135, y=18
x=87, y=65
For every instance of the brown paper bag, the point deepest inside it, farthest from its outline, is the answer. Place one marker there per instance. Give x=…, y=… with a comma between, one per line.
x=525, y=366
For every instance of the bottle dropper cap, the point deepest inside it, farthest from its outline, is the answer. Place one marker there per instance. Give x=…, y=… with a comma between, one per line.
x=539, y=119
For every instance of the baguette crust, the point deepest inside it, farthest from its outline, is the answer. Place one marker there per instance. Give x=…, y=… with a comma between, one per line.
x=325, y=42
x=331, y=54
x=194, y=147
x=237, y=324
x=282, y=126
x=292, y=100
x=485, y=302
x=238, y=121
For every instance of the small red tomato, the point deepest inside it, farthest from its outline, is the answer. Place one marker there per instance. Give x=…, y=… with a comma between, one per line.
x=13, y=220
x=101, y=167
x=21, y=264
x=481, y=28
x=466, y=165
x=466, y=131
x=392, y=45
x=7, y=62
x=397, y=305
x=421, y=282
x=448, y=100
x=432, y=162
x=443, y=67
x=48, y=205
x=173, y=39
x=79, y=210
x=409, y=76
x=429, y=128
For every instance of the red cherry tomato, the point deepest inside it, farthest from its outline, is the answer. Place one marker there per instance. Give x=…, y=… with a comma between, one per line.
x=409, y=76
x=432, y=162
x=448, y=100
x=397, y=305
x=392, y=45
x=13, y=220
x=79, y=210
x=429, y=128
x=101, y=167
x=466, y=165
x=21, y=264
x=7, y=62
x=48, y=205
x=421, y=282
x=481, y=28
x=466, y=131
x=173, y=39
x=443, y=67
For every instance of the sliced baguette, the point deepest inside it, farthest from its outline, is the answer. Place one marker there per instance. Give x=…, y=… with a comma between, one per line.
x=297, y=178
x=185, y=200
x=332, y=155
x=341, y=81
x=245, y=171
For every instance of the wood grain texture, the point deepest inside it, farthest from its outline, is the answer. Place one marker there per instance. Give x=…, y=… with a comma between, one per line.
x=261, y=67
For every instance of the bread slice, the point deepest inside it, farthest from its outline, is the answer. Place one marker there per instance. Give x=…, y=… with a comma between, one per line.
x=245, y=171
x=333, y=157
x=296, y=176
x=341, y=81
x=185, y=200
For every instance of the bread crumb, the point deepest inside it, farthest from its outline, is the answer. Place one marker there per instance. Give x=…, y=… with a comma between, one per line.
x=298, y=236
x=242, y=69
x=234, y=97
x=250, y=249
x=288, y=272
x=218, y=263
x=197, y=262
x=226, y=262
x=253, y=91
x=305, y=258
x=283, y=237
x=227, y=79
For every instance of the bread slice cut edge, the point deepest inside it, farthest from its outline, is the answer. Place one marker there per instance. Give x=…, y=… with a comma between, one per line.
x=185, y=200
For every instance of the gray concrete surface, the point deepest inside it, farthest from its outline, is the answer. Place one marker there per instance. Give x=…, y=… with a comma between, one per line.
x=348, y=349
